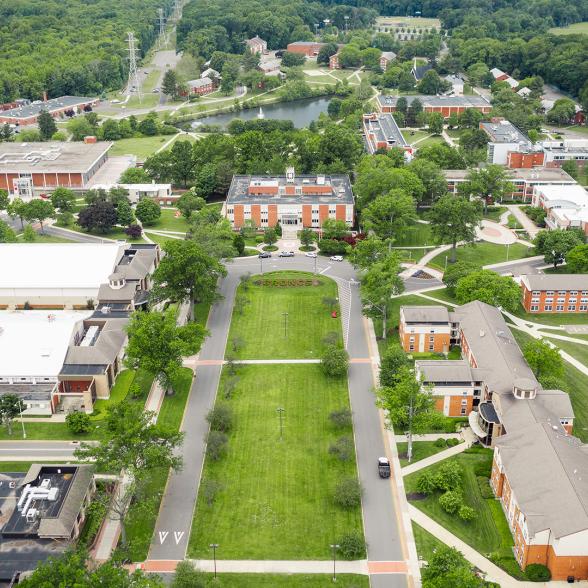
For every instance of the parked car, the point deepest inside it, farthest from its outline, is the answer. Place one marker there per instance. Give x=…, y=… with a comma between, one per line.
x=336, y=258
x=286, y=254
x=264, y=255
x=310, y=254
x=383, y=467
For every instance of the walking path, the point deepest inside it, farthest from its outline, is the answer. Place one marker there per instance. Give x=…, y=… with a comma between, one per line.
x=527, y=224
x=428, y=437
x=448, y=139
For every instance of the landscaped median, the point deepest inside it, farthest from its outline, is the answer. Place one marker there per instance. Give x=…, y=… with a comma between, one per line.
x=272, y=490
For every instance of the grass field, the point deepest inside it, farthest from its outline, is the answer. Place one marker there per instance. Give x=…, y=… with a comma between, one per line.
x=140, y=524
x=168, y=221
x=41, y=238
x=488, y=533
x=432, y=140
x=261, y=324
x=416, y=235
x=575, y=383
x=426, y=544
x=420, y=450
x=410, y=21
x=577, y=28
x=142, y=147
x=554, y=319
x=286, y=581
x=481, y=253
x=276, y=498
x=116, y=234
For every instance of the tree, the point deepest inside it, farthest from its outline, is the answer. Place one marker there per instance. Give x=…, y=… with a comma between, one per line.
x=543, y=359
x=563, y=111
x=47, y=126
x=182, y=162
x=489, y=287
x=157, y=344
x=370, y=59
x=189, y=203
x=100, y=216
x=135, y=175
x=169, y=84
x=78, y=422
x=379, y=283
x=489, y=182
x=414, y=110
x=269, y=236
x=39, y=210
x=63, y=199
x=435, y=122
x=79, y=127
x=555, y=245
x=290, y=59
x=457, y=271
x=187, y=273
x=148, y=211
x=124, y=214
x=455, y=219
x=391, y=364
x=432, y=84
x=451, y=501
x=335, y=361
x=7, y=235
x=577, y=259
x=239, y=243
x=367, y=251
x=148, y=126
x=571, y=168
x=73, y=568
x=17, y=209
x=432, y=178
x=334, y=229
x=10, y=407
x=350, y=56
x=386, y=215
x=307, y=237
x=410, y=405
x=325, y=53
x=220, y=418
x=348, y=493
x=29, y=235
x=187, y=576
x=4, y=200
x=134, y=231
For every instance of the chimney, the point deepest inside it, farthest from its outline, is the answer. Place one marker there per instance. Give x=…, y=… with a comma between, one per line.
x=45, y=96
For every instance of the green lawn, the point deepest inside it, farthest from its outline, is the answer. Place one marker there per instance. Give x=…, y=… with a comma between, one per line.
x=488, y=533
x=17, y=466
x=412, y=135
x=442, y=294
x=276, y=498
x=287, y=580
x=142, y=147
x=261, y=324
x=432, y=140
x=151, y=80
x=554, y=319
x=116, y=234
x=161, y=239
x=575, y=383
x=420, y=450
x=416, y=235
x=426, y=544
x=41, y=238
x=140, y=524
x=481, y=253
x=574, y=29
x=493, y=213
x=169, y=222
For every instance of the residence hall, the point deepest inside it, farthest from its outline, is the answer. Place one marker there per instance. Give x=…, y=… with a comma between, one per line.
x=28, y=170
x=540, y=470
x=63, y=321
x=382, y=132
x=524, y=180
x=507, y=142
x=445, y=105
x=555, y=292
x=293, y=201
x=28, y=113
x=566, y=206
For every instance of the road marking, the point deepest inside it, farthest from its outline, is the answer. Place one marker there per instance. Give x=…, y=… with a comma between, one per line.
x=163, y=536
x=387, y=567
x=178, y=536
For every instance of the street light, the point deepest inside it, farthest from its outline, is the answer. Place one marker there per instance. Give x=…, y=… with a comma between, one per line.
x=261, y=264
x=24, y=433
x=281, y=412
x=446, y=262
x=507, y=250
x=315, y=260
x=285, y=315
x=334, y=547
x=214, y=547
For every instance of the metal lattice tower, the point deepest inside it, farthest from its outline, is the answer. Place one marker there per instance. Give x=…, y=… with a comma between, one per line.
x=161, y=40
x=133, y=84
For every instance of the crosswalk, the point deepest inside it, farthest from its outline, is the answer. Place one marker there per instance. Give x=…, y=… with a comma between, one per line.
x=345, y=295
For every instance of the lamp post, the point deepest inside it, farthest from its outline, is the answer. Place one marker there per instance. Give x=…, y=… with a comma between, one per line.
x=261, y=265
x=446, y=262
x=214, y=547
x=334, y=547
x=315, y=260
x=285, y=315
x=281, y=412
x=507, y=250
x=24, y=433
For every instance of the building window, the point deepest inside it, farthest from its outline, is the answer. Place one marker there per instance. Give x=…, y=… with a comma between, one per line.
x=574, y=292
x=548, y=300
x=463, y=411
x=534, y=308
x=464, y=402
x=230, y=210
x=536, y=292
x=561, y=299
x=583, y=307
x=559, y=308
x=550, y=293
x=535, y=300
x=548, y=308
x=562, y=292
x=572, y=308
x=584, y=292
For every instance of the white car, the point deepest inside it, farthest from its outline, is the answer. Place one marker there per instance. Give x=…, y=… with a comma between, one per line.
x=286, y=254
x=336, y=258
x=310, y=254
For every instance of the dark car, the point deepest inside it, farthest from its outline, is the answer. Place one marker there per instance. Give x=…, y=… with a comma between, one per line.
x=264, y=255
x=383, y=467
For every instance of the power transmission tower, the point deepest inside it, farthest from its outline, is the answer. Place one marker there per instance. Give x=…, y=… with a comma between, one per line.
x=161, y=40
x=133, y=84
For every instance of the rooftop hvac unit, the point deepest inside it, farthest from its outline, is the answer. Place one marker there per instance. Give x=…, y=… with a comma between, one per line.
x=320, y=180
x=46, y=483
x=32, y=515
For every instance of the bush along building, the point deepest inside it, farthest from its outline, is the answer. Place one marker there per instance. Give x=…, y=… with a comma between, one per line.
x=540, y=470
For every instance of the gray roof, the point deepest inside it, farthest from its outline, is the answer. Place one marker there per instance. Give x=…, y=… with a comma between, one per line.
x=437, y=101
x=108, y=294
x=107, y=346
x=137, y=266
x=533, y=175
x=439, y=371
x=504, y=132
x=556, y=281
x=55, y=104
x=549, y=476
x=388, y=55
x=33, y=392
x=199, y=83
x=420, y=70
x=51, y=157
x=384, y=128
x=425, y=314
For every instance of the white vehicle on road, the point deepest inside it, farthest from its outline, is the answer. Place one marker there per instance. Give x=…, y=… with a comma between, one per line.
x=310, y=254
x=336, y=258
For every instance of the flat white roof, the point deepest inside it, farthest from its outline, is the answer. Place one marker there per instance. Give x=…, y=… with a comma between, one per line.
x=575, y=194
x=57, y=265
x=33, y=344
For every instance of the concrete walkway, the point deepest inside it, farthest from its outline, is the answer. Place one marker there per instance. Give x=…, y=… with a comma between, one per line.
x=527, y=224
x=428, y=437
x=496, y=233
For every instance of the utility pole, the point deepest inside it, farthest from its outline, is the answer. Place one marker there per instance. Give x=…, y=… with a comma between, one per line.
x=409, y=432
x=285, y=315
x=161, y=40
x=214, y=547
x=133, y=81
x=281, y=412
x=334, y=547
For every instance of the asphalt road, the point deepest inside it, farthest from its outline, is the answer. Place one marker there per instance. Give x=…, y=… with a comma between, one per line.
x=521, y=267
x=37, y=450
x=382, y=533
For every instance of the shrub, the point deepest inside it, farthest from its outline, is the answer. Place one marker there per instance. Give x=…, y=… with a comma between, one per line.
x=29, y=234
x=220, y=418
x=484, y=486
x=342, y=448
x=78, y=422
x=352, y=546
x=331, y=338
x=335, y=361
x=148, y=211
x=332, y=247
x=341, y=418
x=483, y=469
x=348, y=493
x=259, y=239
x=451, y=501
x=452, y=442
x=134, y=231
x=449, y=475
x=216, y=445
x=135, y=390
x=440, y=443
x=538, y=573
x=466, y=513
x=210, y=488
x=65, y=219
x=426, y=483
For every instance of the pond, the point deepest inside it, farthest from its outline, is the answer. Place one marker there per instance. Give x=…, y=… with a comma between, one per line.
x=300, y=112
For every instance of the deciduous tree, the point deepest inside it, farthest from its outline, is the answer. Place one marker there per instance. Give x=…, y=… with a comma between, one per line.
x=577, y=259
x=388, y=214
x=10, y=407
x=555, y=245
x=39, y=210
x=47, y=126
x=543, y=359
x=489, y=287
x=148, y=211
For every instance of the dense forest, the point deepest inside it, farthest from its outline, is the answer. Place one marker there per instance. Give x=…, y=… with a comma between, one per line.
x=70, y=46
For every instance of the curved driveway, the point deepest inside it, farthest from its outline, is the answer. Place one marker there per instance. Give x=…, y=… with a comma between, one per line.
x=380, y=512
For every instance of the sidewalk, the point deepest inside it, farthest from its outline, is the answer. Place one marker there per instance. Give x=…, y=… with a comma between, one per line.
x=428, y=437
x=527, y=224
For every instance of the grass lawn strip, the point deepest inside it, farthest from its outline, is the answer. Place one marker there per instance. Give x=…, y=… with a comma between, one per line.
x=169, y=222
x=276, y=498
x=290, y=580
x=261, y=324
x=426, y=544
x=142, y=147
x=420, y=450
x=554, y=319
x=482, y=253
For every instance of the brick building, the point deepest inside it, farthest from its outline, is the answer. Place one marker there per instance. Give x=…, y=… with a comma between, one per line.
x=555, y=292
x=293, y=201
x=523, y=179
x=29, y=169
x=201, y=86
x=506, y=139
x=27, y=114
x=445, y=105
x=308, y=48
x=257, y=45
x=334, y=62
x=386, y=59
x=382, y=132
x=558, y=152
